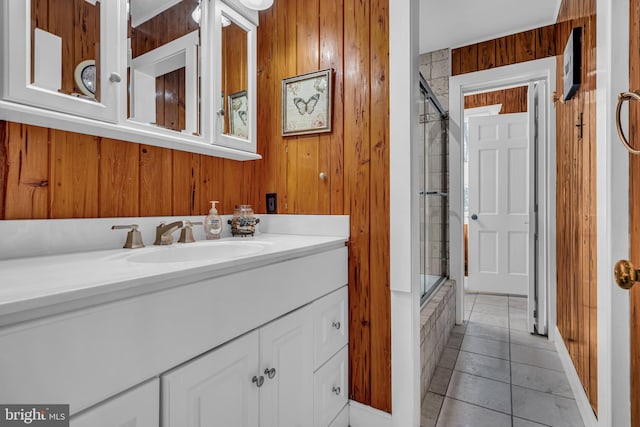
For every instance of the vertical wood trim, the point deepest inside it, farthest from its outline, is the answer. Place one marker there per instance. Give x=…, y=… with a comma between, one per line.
x=26, y=177
x=546, y=42
x=119, y=179
x=331, y=146
x=506, y=50
x=469, y=59
x=74, y=175
x=156, y=177
x=357, y=179
x=380, y=220
x=456, y=62
x=186, y=182
x=212, y=183
x=526, y=46
x=486, y=55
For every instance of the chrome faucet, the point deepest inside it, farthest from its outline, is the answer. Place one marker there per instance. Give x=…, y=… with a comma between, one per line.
x=164, y=232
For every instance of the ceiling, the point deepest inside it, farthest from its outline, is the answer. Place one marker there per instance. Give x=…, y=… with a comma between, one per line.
x=455, y=23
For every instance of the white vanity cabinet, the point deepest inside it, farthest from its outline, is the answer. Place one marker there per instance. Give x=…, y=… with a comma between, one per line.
x=264, y=378
x=139, y=407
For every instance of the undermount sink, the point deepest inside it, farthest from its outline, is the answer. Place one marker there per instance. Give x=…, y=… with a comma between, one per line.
x=205, y=251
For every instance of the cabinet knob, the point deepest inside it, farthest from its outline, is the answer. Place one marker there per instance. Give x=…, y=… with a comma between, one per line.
x=323, y=176
x=221, y=112
x=336, y=325
x=115, y=78
x=336, y=390
x=271, y=373
x=258, y=381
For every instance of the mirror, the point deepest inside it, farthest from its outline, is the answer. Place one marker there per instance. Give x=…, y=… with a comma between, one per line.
x=164, y=66
x=234, y=64
x=65, y=47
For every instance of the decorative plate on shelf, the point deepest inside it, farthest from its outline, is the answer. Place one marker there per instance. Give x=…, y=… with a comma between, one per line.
x=85, y=76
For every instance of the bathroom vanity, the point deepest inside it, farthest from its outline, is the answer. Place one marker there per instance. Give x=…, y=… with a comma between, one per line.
x=255, y=334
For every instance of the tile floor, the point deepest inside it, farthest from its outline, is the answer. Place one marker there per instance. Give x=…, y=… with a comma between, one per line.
x=493, y=373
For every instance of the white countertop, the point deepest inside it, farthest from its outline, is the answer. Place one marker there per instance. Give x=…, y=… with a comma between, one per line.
x=38, y=286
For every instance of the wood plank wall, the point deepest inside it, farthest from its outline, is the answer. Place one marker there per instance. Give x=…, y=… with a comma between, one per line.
x=634, y=195
x=513, y=100
x=525, y=46
x=350, y=36
x=46, y=173
x=576, y=201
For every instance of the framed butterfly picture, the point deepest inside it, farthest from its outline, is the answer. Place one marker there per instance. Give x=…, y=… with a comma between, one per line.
x=306, y=103
x=238, y=112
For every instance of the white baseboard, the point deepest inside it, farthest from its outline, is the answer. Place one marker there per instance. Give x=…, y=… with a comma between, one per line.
x=365, y=416
x=584, y=406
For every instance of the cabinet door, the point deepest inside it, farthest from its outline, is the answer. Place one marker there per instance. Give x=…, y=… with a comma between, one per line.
x=287, y=366
x=65, y=56
x=215, y=389
x=139, y=407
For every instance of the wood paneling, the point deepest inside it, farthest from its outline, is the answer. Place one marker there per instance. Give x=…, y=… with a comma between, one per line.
x=634, y=214
x=507, y=50
x=576, y=202
x=98, y=177
x=350, y=36
x=513, y=100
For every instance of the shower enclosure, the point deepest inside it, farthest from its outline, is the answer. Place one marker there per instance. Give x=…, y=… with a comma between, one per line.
x=434, y=206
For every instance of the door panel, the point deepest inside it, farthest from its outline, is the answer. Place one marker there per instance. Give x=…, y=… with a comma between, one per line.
x=499, y=204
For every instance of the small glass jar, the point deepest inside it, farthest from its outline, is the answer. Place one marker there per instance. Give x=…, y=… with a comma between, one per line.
x=243, y=222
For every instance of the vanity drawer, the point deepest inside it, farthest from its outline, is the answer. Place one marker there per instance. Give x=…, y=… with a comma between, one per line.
x=331, y=330
x=139, y=407
x=342, y=420
x=330, y=389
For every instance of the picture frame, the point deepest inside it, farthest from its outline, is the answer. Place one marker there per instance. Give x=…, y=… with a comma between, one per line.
x=307, y=103
x=239, y=114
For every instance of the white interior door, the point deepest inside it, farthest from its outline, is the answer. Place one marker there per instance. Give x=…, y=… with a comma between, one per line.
x=499, y=204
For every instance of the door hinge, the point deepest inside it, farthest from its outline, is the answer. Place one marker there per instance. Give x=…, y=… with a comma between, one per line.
x=286, y=148
x=535, y=314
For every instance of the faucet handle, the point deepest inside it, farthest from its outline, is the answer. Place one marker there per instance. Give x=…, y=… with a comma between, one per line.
x=134, y=237
x=186, y=234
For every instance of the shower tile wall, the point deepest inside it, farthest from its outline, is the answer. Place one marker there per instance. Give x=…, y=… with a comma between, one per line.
x=436, y=69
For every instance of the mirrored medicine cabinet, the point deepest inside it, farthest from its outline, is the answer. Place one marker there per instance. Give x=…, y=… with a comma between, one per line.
x=173, y=73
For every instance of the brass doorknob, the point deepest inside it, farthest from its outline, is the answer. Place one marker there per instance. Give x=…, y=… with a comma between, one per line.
x=626, y=274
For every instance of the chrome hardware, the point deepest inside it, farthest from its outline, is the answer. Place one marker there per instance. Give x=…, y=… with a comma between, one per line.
x=626, y=274
x=626, y=96
x=271, y=373
x=258, y=381
x=115, y=78
x=336, y=325
x=322, y=176
x=336, y=390
x=434, y=193
x=163, y=232
x=221, y=112
x=134, y=237
x=474, y=217
x=186, y=234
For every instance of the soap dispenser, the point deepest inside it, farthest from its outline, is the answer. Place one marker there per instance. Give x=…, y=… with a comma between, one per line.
x=213, y=223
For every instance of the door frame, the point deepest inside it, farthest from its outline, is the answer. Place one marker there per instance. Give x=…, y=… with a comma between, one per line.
x=612, y=166
x=510, y=75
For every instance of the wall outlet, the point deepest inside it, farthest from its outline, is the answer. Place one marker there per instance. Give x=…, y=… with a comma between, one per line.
x=272, y=203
